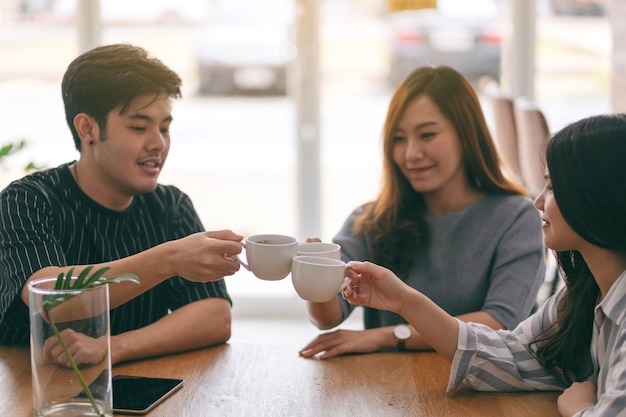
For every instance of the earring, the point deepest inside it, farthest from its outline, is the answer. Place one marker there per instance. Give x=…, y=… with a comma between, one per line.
x=91, y=142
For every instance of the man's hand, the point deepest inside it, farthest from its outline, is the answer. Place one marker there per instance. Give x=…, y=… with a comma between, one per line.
x=207, y=256
x=84, y=349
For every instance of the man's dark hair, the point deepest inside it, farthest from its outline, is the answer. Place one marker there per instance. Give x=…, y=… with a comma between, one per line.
x=112, y=76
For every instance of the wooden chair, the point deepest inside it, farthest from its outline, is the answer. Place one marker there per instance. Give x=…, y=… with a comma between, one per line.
x=505, y=128
x=532, y=135
x=521, y=132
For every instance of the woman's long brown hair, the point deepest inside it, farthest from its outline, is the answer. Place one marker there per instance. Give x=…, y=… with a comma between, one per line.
x=395, y=221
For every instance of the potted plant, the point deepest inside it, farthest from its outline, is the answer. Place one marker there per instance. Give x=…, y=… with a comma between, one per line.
x=67, y=312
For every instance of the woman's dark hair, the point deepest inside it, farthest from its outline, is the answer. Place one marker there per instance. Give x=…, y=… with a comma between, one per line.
x=112, y=76
x=395, y=222
x=586, y=162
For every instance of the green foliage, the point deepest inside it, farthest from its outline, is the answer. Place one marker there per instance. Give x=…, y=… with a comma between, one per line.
x=84, y=281
x=13, y=148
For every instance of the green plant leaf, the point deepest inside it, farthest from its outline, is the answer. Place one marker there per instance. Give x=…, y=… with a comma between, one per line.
x=12, y=148
x=84, y=281
x=60, y=283
x=6, y=150
x=94, y=277
x=65, y=282
x=117, y=279
x=79, y=282
x=31, y=166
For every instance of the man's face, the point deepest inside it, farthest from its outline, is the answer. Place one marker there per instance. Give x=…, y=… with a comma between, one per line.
x=130, y=154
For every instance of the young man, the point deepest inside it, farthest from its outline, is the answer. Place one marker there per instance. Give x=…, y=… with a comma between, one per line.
x=108, y=209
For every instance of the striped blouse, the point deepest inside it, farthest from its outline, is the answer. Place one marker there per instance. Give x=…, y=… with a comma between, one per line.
x=45, y=220
x=490, y=360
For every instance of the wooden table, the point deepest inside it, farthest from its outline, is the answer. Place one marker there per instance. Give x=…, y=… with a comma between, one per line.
x=272, y=380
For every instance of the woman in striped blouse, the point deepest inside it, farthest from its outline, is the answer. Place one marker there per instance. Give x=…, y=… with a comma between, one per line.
x=576, y=342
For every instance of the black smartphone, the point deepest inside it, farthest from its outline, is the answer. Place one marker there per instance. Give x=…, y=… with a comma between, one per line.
x=140, y=394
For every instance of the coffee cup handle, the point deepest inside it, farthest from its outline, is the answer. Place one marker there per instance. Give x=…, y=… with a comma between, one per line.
x=345, y=283
x=242, y=263
x=346, y=280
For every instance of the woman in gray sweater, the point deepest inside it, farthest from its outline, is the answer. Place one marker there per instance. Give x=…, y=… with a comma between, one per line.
x=447, y=221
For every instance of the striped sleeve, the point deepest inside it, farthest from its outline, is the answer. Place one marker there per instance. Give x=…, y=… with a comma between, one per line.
x=501, y=360
x=25, y=246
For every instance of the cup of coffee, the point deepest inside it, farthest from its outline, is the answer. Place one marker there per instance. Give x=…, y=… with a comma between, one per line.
x=317, y=279
x=269, y=256
x=320, y=249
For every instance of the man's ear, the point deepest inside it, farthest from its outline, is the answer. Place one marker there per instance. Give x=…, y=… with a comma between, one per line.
x=86, y=127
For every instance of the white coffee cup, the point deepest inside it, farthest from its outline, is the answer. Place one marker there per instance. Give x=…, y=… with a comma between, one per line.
x=321, y=249
x=317, y=279
x=269, y=256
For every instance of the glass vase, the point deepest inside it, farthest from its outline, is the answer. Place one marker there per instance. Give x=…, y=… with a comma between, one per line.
x=78, y=384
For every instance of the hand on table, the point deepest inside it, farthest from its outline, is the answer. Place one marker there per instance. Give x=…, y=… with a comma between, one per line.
x=84, y=349
x=578, y=396
x=339, y=342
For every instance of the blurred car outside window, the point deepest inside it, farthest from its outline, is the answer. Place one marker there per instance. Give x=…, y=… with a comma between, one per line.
x=465, y=35
x=579, y=7
x=246, y=46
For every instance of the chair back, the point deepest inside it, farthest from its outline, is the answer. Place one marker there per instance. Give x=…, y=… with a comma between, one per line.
x=505, y=135
x=532, y=135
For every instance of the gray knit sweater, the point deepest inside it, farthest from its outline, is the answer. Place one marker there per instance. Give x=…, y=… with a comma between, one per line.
x=488, y=257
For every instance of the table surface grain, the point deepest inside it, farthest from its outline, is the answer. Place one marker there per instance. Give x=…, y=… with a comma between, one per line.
x=271, y=380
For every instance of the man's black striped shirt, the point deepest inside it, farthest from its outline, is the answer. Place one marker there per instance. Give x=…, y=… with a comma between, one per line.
x=45, y=220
